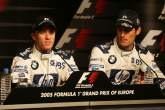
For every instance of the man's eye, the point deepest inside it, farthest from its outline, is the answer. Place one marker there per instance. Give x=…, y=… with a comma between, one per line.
x=41, y=32
x=127, y=29
x=51, y=31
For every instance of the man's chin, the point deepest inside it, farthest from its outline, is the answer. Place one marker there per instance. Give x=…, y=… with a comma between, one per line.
x=123, y=46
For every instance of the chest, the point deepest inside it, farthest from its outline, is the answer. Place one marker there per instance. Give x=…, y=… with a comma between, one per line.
x=119, y=61
x=48, y=65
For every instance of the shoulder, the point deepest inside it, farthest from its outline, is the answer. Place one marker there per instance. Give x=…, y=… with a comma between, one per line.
x=64, y=54
x=141, y=49
x=24, y=54
x=104, y=47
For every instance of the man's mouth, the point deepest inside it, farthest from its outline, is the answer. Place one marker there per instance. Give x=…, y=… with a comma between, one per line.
x=123, y=40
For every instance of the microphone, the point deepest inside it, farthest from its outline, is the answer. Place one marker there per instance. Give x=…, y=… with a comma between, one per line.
x=60, y=52
x=160, y=82
x=147, y=65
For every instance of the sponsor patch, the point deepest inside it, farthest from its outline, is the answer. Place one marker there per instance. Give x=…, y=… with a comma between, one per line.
x=59, y=65
x=34, y=65
x=120, y=77
x=112, y=59
x=93, y=67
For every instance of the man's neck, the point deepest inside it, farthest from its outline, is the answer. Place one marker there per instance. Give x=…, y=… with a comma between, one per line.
x=44, y=51
x=128, y=48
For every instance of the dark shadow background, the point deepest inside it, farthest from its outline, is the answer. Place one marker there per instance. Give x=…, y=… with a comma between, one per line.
x=17, y=16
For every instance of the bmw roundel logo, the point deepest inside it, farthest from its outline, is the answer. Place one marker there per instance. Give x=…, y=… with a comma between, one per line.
x=34, y=65
x=112, y=59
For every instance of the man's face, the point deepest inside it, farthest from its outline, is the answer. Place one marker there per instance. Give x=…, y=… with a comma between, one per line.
x=126, y=38
x=44, y=39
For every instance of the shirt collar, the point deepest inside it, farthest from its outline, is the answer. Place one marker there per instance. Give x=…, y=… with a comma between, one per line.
x=123, y=52
x=40, y=55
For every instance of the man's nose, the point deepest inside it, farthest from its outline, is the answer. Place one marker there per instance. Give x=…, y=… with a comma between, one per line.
x=47, y=35
x=123, y=33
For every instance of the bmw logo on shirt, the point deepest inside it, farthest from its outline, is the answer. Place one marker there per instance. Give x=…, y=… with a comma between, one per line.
x=34, y=65
x=112, y=59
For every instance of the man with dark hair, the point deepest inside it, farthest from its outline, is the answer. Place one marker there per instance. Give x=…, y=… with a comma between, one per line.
x=122, y=59
x=40, y=66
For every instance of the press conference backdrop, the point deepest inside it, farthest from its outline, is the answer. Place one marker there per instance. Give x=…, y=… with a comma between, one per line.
x=94, y=20
x=81, y=25
x=17, y=16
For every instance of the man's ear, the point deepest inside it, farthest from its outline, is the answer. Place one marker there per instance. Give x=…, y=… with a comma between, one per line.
x=33, y=36
x=138, y=31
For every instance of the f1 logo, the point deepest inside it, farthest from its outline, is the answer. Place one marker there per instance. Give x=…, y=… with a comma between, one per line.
x=85, y=4
x=83, y=77
x=66, y=38
x=88, y=77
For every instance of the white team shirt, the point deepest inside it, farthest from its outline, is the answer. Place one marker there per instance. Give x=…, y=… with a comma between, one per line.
x=42, y=70
x=123, y=67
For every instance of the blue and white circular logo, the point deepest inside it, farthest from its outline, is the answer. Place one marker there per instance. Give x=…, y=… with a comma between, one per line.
x=34, y=65
x=112, y=59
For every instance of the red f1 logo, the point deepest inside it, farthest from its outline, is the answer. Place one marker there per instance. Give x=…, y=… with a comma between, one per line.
x=89, y=77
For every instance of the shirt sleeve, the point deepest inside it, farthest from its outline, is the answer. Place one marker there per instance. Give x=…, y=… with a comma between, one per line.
x=72, y=64
x=19, y=71
x=149, y=65
x=70, y=68
x=97, y=62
